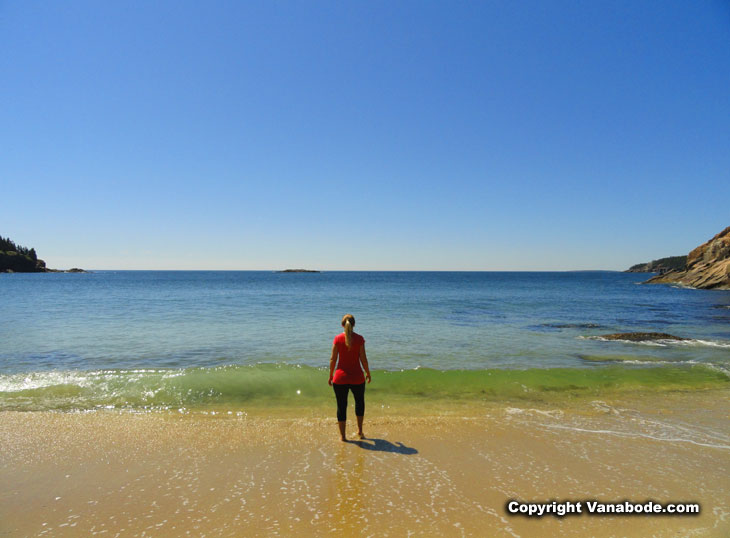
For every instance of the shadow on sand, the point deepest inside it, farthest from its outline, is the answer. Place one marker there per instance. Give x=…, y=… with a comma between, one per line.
x=381, y=445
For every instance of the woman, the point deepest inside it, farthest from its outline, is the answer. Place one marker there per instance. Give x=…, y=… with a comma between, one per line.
x=350, y=348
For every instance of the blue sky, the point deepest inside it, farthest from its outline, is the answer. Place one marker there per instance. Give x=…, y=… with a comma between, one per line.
x=364, y=135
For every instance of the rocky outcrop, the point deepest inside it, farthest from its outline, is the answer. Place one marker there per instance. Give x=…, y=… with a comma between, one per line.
x=661, y=266
x=12, y=261
x=18, y=259
x=708, y=266
x=640, y=337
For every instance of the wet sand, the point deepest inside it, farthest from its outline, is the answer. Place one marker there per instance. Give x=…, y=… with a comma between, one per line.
x=167, y=474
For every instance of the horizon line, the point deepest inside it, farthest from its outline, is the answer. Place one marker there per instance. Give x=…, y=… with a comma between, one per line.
x=373, y=270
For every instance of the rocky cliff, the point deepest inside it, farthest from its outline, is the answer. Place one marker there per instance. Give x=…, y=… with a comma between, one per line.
x=708, y=266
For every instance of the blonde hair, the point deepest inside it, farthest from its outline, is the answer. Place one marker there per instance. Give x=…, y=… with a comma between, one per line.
x=348, y=322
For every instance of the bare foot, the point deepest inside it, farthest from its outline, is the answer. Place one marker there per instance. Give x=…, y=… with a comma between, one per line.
x=343, y=439
x=360, y=435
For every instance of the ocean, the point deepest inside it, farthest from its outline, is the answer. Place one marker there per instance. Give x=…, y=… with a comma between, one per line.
x=228, y=339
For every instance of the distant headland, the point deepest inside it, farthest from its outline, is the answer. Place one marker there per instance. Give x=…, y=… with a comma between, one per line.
x=661, y=266
x=299, y=271
x=18, y=259
x=706, y=267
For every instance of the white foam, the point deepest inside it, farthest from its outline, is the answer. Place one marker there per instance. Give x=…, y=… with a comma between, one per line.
x=662, y=342
x=638, y=435
x=548, y=413
x=718, y=368
x=21, y=382
x=698, y=342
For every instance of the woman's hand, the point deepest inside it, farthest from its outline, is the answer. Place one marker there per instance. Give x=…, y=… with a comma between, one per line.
x=367, y=378
x=333, y=362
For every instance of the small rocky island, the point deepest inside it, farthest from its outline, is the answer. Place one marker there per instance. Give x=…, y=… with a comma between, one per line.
x=641, y=337
x=299, y=271
x=18, y=259
x=707, y=267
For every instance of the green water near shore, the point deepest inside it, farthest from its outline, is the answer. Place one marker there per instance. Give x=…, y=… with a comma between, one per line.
x=280, y=385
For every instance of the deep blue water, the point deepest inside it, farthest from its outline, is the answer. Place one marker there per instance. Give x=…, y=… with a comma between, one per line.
x=441, y=320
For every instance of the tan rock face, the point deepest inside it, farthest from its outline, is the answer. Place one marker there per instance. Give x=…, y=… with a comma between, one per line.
x=708, y=266
x=717, y=248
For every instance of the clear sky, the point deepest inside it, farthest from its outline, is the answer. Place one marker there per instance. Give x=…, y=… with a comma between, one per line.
x=483, y=135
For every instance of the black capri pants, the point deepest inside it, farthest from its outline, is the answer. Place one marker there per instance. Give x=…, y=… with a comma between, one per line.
x=358, y=391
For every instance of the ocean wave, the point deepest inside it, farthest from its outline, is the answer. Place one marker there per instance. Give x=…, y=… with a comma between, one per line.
x=649, y=361
x=723, y=369
x=271, y=385
x=663, y=342
x=641, y=361
x=573, y=325
x=645, y=359
x=554, y=327
x=699, y=342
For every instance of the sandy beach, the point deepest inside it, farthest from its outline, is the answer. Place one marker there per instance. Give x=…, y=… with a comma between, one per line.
x=246, y=474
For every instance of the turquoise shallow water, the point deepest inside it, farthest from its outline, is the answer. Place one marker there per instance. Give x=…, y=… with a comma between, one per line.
x=137, y=338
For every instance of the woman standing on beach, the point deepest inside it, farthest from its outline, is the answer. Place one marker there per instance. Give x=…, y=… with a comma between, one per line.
x=350, y=348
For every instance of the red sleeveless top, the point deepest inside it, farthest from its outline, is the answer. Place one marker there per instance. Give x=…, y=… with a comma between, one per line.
x=348, y=370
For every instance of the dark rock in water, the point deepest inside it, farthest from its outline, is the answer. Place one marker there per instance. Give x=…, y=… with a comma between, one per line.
x=708, y=266
x=661, y=266
x=640, y=337
x=299, y=271
x=76, y=270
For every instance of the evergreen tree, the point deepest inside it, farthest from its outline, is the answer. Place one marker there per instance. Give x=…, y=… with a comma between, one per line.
x=17, y=258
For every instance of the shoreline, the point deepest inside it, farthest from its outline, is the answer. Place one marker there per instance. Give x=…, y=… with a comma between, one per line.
x=284, y=472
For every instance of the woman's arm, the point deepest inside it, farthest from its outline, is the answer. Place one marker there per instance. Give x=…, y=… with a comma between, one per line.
x=364, y=362
x=333, y=362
